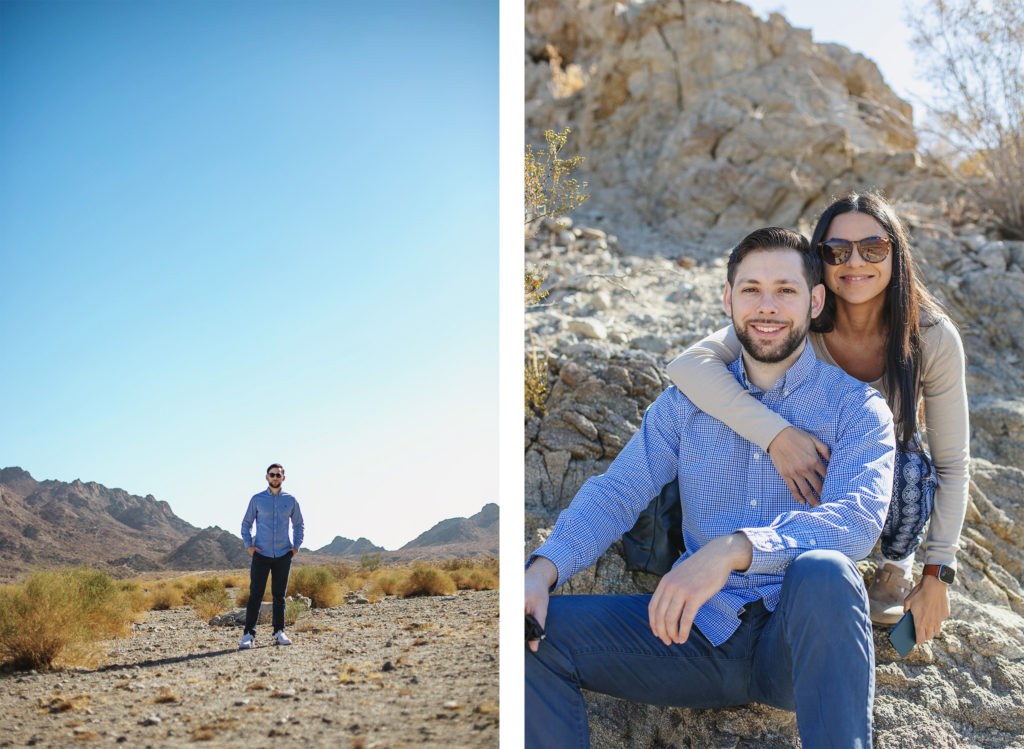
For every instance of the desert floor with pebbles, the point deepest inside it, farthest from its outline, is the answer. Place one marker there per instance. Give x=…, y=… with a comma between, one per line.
x=396, y=673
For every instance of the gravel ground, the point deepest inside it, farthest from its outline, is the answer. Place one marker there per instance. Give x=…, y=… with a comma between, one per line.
x=398, y=673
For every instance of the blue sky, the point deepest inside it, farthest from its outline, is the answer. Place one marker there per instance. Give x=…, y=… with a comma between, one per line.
x=233, y=233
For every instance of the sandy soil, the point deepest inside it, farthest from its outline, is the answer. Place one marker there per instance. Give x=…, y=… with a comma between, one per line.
x=417, y=672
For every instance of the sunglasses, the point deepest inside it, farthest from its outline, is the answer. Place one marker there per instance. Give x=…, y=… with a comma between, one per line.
x=276, y=475
x=838, y=251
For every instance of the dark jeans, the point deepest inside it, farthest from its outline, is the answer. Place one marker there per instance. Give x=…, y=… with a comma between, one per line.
x=814, y=654
x=913, y=494
x=278, y=569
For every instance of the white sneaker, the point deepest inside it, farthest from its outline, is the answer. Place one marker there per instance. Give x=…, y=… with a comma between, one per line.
x=247, y=642
x=281, y=638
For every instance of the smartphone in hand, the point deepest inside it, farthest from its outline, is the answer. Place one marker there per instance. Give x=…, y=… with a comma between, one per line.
x=533, y=629
x=903, y=636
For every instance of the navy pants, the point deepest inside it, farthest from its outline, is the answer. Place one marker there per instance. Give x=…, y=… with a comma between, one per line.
x=913, y=494
x=814, y=654
x=278, y=569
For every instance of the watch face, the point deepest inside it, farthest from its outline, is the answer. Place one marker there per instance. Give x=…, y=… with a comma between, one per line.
x=947, y=575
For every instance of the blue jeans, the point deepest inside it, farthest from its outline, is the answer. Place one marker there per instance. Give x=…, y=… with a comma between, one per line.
x=913, y=494
x=278, y=568
x=815, y=653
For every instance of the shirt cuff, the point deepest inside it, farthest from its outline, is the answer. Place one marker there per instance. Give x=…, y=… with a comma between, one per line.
x=770, y=551
x=561, y=560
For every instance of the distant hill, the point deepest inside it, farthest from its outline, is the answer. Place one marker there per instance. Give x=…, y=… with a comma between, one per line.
x=342, y=546
x=456, y=537
x=210, y=549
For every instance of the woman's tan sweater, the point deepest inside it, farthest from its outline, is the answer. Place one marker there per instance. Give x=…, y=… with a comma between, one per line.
x=700, y=372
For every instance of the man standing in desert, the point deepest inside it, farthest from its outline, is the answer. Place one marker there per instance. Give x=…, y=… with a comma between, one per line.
x=271, y=551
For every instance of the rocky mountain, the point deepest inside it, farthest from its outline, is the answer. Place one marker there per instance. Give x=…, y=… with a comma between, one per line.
x=345, y=546
x=701, y=122
x=463, y=537
x=50, y=523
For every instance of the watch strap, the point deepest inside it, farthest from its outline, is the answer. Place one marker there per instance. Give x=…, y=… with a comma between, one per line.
x=941, y=571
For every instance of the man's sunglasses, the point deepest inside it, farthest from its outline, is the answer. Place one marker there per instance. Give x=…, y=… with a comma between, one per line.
x=838, y=251
x=276, y=475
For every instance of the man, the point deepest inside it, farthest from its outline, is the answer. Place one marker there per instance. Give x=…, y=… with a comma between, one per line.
x=766, y=604
x=271, y=552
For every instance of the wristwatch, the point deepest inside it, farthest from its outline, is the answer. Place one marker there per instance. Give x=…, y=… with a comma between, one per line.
x=941, y=571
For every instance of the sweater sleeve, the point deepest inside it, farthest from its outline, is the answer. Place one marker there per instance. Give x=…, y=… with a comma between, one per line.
x=946, y=426
x=700, y=373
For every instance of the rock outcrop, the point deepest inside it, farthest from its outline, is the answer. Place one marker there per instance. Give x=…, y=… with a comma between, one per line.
x=699, y=123
x=698, y=115
x=342, y=546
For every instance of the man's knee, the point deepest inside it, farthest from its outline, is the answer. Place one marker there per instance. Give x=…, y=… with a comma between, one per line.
x=825, y=577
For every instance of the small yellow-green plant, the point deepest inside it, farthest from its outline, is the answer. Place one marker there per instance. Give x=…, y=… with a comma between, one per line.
x=370, y=562
x=317, y=584
x=550, y=188
x=208, y=597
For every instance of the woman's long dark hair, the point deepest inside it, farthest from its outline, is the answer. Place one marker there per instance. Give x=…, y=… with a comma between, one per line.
x=908, y=307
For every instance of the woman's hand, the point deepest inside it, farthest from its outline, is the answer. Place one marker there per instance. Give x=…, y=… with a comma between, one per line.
x=798, y=456
x=929, y=600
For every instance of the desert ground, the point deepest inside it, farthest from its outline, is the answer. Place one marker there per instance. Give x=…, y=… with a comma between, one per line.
x=396, y=673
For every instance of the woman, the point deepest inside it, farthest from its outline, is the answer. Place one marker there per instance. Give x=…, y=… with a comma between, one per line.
x=883, y=327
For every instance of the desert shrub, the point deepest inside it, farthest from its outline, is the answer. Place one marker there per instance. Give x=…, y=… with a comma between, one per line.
x=208, y=597
x=236, y=581
x=425, y=580
x=356, y=581
x=137, y=598
x=294, y=609
x=387, y=582
x=317, y=584
x=56, y=612
x=340, y=570
x=164, y=596
x=204, y=587
x=369, y=562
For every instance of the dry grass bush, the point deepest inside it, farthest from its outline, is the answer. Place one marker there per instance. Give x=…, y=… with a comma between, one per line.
x=55, y=613
x=388, y=582
x=317, y=584
x=208, y=597
x=340, y=570
x=239, y=582
x=425, y=580
x=474, y=578
x=356, y=581
x=164, y=596
x=136, y=595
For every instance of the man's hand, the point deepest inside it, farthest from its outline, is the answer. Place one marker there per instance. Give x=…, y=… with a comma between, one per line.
x=294, y=551
x=540, y=576
x=685, y=588
x=929, y=600
x=797, y=456
x=252, y=549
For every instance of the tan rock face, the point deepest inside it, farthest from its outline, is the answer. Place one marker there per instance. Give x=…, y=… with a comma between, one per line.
x=698, y=114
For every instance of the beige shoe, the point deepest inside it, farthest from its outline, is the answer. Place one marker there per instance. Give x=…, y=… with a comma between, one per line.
x=887, y=593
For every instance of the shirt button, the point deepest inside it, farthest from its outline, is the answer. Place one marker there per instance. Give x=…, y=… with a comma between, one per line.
x=753, y=503
x=811, y=542
x=757, y=456
x=785, y=392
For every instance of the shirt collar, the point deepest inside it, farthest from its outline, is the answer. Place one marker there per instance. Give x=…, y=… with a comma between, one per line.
x=790, y=379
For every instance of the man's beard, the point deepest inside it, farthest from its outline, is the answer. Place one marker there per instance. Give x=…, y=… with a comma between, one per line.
x=771, y=352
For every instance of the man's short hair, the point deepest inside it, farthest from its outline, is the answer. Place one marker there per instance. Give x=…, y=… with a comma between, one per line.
x=272, y=466
x=778, y=238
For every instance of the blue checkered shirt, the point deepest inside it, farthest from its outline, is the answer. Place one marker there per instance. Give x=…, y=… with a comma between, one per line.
x=728, y=484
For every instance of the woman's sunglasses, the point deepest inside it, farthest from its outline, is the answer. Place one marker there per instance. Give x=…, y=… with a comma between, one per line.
x=872, y=249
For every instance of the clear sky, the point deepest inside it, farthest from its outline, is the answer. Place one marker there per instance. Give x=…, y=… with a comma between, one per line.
x=875, y=28
x=234, y=233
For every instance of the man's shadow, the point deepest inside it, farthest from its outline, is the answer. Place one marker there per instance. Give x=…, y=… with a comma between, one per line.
x=165, y=661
